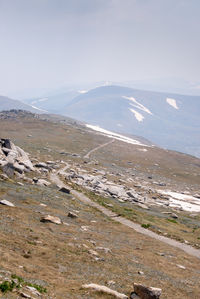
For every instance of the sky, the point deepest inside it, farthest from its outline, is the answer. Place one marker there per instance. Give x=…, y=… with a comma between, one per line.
x=52, y=43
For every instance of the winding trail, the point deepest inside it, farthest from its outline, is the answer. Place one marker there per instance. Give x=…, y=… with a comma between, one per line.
x=187, y=248
x=98, y=147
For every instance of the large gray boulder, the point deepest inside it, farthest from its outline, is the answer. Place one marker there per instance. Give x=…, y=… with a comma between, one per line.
x=13, y=158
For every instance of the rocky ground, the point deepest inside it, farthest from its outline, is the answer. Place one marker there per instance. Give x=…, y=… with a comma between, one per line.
x=52, y=243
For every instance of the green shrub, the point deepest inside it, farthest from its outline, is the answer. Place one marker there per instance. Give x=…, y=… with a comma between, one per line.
x=172, y=220
x=145, y=225
x=7, y=286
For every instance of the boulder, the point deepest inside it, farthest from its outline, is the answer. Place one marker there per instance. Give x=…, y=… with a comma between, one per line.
x=115, y=190
x=146, y=292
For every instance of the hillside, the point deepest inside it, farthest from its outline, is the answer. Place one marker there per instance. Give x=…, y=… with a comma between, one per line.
x=8, y=104
x=107, y=181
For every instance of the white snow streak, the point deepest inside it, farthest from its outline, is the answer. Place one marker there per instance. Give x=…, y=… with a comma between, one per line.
x=138, y=115
x=40, y=100
x=83, y=91
x=115, y=135
x=38, y=108
x=185, y=202
x=138, y=105
x=172, y=103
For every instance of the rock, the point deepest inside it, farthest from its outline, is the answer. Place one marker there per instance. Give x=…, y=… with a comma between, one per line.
x=33, y=290
x=162, y=184
x=104, y=289
x=134, y=296
x=173, y=215
x=41, y=165
x=143, y=206
x=41, y=182
x=24, y=295
x=72, y=215
x=14, y=158
x=64, y=190
x=111, y=282
x=108, y=205
x=115, y=190
x=140, y=272
x=93, y=252
x=6, y=203
x=181, y=267
x=106, y=250
x=84, y=228
x=3, y=176
x=146, y=292
x=51, y=219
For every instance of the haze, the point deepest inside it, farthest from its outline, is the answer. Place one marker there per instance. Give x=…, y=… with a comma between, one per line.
x=51, y=43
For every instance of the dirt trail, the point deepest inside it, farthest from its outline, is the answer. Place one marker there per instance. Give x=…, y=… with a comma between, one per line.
x=187, y=248
x=96, y=148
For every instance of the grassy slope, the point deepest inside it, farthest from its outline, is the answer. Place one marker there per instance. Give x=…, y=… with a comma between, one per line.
x=58, y=256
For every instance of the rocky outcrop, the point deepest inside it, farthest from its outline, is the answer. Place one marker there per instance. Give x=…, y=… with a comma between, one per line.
x=13, y=158
x=100, y=185
x=146, y=292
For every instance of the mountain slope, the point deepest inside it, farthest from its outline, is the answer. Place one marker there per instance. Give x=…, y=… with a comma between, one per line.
x=8, y=104
x=53, y=103
x=169, y=120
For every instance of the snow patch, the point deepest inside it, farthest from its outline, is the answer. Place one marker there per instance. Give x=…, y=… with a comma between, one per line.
x=115, y=135
x=138, y=105
x=83, y=91
x=43, y=100
x=39, y=100
x=39, y=109
x=185, y=202
x=138, y=115
x=172, y=103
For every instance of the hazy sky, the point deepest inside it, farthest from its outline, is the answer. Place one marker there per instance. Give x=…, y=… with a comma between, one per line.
x=49, y=43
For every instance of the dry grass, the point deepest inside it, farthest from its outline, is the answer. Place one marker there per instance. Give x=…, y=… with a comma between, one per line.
x=57, y=256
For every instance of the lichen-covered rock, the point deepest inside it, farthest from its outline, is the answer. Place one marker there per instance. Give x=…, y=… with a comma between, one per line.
x=146, y=292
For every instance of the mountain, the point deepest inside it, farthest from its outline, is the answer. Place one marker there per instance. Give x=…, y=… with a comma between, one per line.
x=168, y=120
x=53, y=103
x=8, y=104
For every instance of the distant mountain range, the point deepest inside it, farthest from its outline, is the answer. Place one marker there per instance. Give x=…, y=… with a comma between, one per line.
x=168, y=120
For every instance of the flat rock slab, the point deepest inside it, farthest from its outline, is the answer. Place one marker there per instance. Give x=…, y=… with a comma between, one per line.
x=104, y=289
x=51, y=219
x=6, y=203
